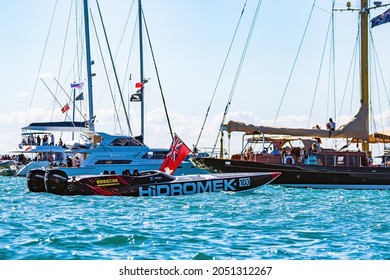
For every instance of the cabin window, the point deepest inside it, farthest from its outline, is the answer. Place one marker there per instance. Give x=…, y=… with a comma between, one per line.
x=363, y=161
x=340, y=160
x=352, y=160
x=330, y=160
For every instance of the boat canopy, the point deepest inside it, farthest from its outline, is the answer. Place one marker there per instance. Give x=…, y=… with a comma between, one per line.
x=58, y=126
x=356, y=127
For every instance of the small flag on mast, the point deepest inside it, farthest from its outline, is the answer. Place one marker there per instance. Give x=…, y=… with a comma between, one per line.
x=80, y=97
x=65, y=108
x=77, y=85
x=381, y=19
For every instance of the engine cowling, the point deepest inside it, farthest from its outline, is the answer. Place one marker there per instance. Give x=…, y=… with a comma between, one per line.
x=35, y=180
x=56, y=181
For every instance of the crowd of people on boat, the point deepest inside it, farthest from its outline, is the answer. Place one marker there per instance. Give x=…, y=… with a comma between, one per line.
x=46, y=140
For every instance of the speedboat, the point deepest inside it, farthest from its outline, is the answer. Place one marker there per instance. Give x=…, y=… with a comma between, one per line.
x=146, y=183
x=8, y=167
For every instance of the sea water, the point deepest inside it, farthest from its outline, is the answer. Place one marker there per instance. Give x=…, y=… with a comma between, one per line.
x=271, y=223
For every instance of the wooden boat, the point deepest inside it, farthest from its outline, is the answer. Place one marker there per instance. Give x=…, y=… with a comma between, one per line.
x=307, y=165
x=147, y=183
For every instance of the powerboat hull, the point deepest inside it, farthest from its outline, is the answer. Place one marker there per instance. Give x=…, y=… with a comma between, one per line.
x=306, y=176
x=147, y=183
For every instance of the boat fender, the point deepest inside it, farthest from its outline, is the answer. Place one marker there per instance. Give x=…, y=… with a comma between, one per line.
x=289, y=160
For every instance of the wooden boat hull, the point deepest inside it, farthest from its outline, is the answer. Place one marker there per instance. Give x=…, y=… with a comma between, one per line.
x=148, y=183
x=306, y=176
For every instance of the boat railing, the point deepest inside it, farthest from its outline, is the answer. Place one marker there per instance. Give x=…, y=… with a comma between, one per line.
x=208, y=152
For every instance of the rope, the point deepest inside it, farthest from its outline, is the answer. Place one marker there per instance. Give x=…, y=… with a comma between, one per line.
x=220, y=75
x=113, y=66
x=295, y=61
x=318, y=76
x=43, y=55
x=158, y=76
x=238, y=72
x=62, y=54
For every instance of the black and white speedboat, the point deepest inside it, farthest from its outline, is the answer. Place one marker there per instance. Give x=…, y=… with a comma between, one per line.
x=146, y=183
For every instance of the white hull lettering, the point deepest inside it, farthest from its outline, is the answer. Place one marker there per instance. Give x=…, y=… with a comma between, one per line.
x=189, y=188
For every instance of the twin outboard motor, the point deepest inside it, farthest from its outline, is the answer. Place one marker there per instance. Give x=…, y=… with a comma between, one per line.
x=56, y=181
x=35, y=180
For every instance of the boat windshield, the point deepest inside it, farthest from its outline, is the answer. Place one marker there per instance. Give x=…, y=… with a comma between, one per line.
x=125, y=141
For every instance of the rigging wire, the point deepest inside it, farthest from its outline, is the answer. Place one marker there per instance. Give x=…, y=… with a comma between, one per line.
x=220, y=74
x=318, y=76
x=157, y=74
x=354, y=54
x=69, y=97
x=106, y=72
x=41, y=62
x=238, y=72
x=114, y=68
x=378, y=68
x=295, y=61
x=63, y=53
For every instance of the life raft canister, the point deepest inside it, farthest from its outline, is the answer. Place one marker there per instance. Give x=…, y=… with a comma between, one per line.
x=56, y=181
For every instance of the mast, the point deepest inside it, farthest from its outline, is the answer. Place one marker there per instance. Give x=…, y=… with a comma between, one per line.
x=141, y=68
x=89, y=62
x=364, y=10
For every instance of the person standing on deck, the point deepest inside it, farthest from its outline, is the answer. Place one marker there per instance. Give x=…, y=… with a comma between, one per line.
x=331, y=126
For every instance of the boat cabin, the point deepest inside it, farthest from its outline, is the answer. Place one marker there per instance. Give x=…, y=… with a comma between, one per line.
x=293, y=150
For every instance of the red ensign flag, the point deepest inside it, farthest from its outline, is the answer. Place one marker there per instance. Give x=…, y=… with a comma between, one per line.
x=175, y=156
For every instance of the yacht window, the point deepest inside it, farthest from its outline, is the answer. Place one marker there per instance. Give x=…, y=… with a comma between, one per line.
x=330, y=160
x=363, y=161
x=352, y=160
x=118, y=161
x=125, y=142
x=155, y=154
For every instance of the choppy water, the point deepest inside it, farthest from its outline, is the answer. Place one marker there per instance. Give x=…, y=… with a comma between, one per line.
x=271, y=223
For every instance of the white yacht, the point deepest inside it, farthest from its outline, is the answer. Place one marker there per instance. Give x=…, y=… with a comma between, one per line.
x=117, y=153
x=36, y=150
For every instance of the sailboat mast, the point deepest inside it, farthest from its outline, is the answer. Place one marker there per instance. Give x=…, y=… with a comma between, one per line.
x=141, y=68
x=89, y=70
x=364, y=59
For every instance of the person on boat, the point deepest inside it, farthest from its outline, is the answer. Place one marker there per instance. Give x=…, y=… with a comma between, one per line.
x=38, y=140
x=69, y=162
x=275, y=150
x=331, y=126
x=52, y=140
x=60, y=143
x=76, y=161
x=45, y=140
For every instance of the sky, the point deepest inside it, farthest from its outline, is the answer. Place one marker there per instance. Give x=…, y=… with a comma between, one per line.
x=271, y=78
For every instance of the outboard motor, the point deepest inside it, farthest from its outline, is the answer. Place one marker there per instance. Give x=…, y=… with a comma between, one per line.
x=35, y=180
x=56, y=181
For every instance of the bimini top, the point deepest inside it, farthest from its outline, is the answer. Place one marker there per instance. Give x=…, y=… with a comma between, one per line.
x=58, y=126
